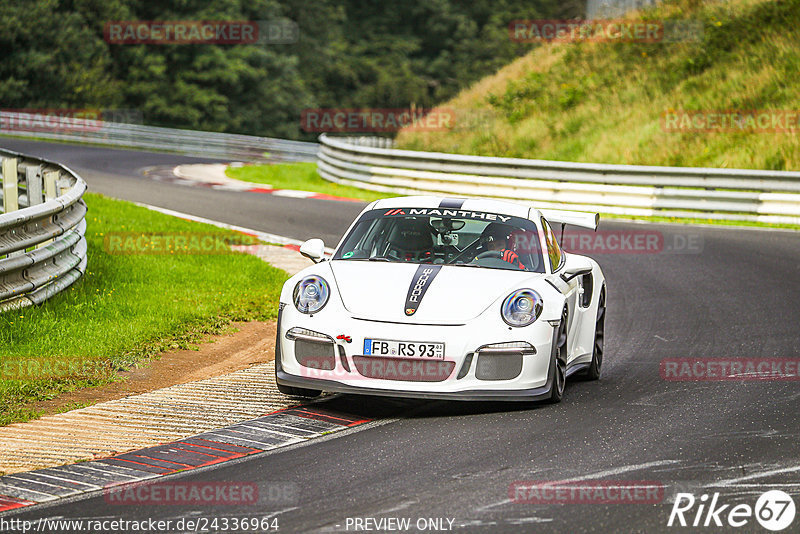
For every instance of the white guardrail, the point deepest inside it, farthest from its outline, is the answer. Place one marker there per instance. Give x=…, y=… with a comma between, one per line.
x=596, y=9
x=42, y=244
x=190, y=142
x=681, y=192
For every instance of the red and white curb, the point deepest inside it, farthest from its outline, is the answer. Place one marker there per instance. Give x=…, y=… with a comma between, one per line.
x=222, y=183
x=275, y=430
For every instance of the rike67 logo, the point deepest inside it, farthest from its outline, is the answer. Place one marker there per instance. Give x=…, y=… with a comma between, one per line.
x=774, y=510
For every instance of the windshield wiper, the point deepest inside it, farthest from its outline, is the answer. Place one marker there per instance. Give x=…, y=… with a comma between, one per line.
x=378, y=258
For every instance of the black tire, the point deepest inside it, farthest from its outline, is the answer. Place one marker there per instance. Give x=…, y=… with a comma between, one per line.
x=593, y=372
x=559, y=361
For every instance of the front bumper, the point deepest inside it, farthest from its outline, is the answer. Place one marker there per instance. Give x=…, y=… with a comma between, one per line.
x=525, y=395
x=343, y=370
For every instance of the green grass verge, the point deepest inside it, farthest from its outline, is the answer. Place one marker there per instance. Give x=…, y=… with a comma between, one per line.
x=130, y=307
x=302, y=177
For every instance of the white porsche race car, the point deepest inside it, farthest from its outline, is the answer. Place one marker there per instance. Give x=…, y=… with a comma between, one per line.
x=442, y=298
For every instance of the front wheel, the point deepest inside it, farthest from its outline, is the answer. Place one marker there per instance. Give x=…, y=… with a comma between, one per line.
x=559, y=364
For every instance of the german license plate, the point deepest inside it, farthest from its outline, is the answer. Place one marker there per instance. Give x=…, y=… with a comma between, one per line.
x=404, y=349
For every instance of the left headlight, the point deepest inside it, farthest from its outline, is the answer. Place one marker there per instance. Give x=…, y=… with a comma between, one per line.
x=311, y=294
x=522, y=307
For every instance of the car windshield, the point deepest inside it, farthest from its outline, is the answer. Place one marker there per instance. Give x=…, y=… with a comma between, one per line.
x=448, y=237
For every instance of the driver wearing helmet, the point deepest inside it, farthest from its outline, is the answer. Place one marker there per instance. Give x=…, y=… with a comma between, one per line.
x=495, y=238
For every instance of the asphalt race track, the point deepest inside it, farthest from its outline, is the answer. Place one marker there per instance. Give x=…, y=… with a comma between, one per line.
x=119, y=174
x=736, y=295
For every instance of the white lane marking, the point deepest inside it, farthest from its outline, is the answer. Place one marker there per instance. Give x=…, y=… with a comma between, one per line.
x=734, y=481
x=402, y=506
x=531, y=519
x=590, y=476
x=273, y=514
x=662, y=339
x=264, y=236
x=620, y=470
x=477, y=523
x=768, y=485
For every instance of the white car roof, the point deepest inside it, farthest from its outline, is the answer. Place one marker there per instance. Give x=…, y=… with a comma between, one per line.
x=472, y=204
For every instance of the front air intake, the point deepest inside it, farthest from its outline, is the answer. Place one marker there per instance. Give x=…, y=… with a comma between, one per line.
x=502, y=361
x=312, y=349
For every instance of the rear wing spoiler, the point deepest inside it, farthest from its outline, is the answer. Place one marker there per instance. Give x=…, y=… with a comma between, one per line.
x=575, y=218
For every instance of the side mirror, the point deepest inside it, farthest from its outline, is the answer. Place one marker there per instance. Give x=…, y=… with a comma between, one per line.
x=576, y=266
x=313, y=249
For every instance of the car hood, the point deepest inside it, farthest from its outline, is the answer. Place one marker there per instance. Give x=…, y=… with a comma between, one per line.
x=455, y=295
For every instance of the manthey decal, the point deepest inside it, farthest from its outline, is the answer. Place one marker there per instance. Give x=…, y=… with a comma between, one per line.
x=419, y=285
x=443, y=212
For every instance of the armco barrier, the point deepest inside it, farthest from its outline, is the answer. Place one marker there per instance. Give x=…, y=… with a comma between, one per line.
x=204, y=144
x=596, y=9
x=681, y=192
x=42, y=244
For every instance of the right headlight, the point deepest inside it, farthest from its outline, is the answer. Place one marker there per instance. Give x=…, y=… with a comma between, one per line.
x=311, y=294
x=522, y=307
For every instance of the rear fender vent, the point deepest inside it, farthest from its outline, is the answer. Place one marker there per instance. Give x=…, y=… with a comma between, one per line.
x=588, y=287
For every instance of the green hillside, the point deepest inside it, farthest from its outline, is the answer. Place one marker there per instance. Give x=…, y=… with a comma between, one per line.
x=606, y=102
